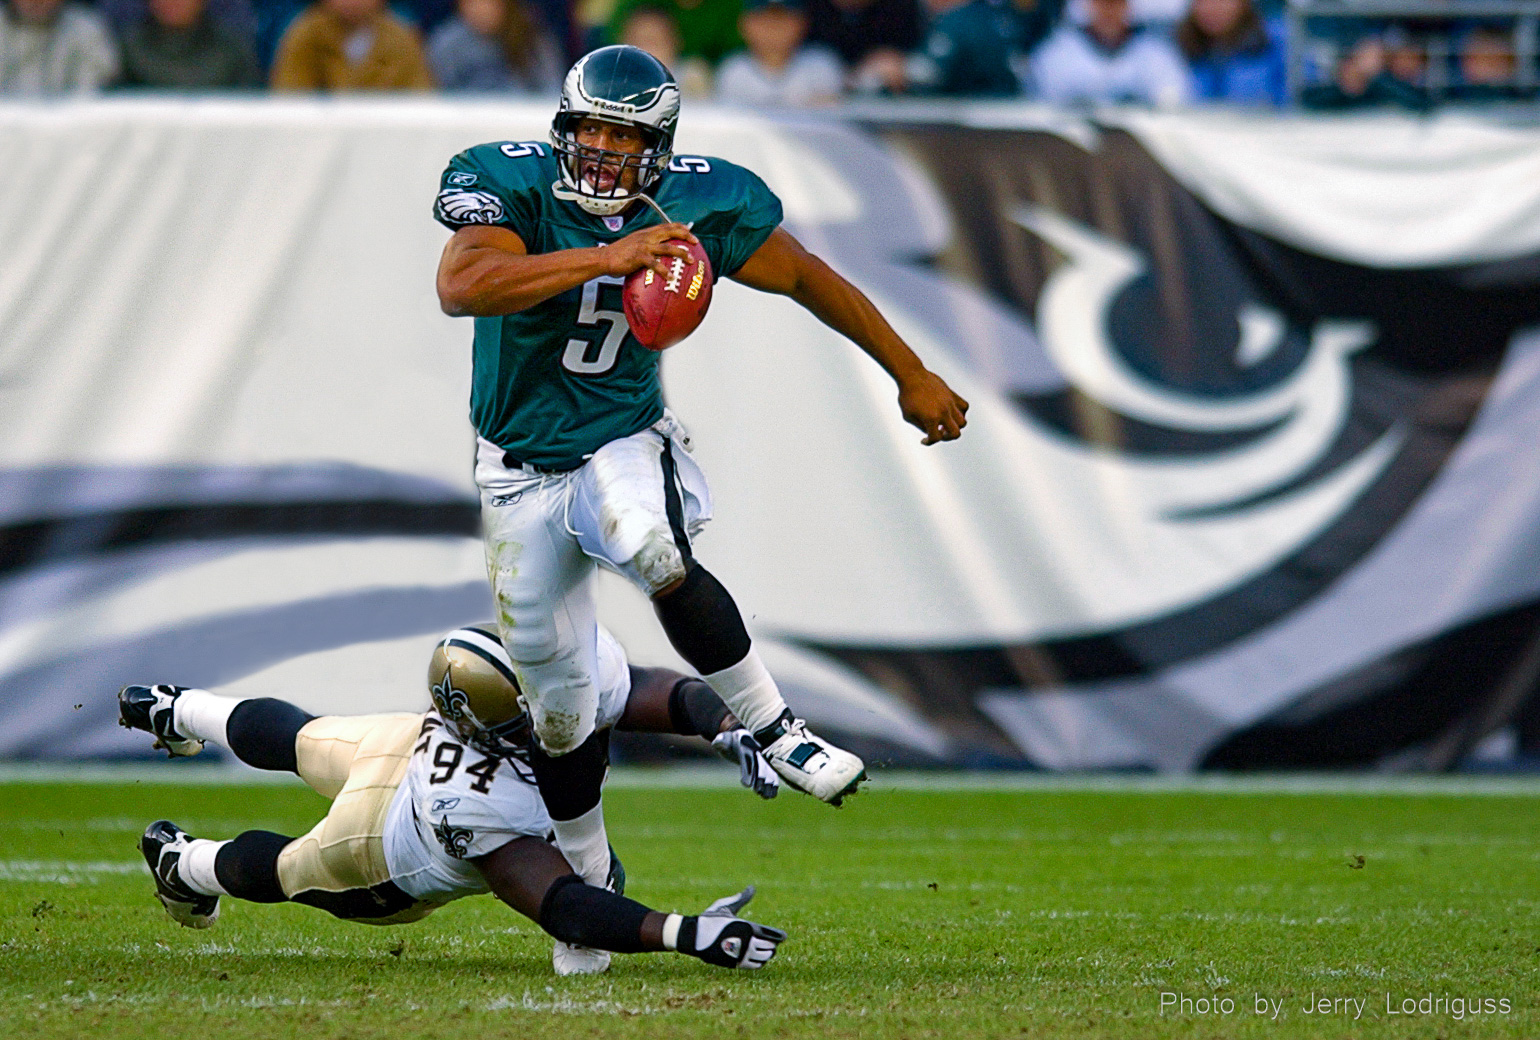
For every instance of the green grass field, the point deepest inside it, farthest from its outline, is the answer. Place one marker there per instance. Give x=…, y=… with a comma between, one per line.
x=949, y=913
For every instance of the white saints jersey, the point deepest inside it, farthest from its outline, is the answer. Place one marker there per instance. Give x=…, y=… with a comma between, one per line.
x=455, y=803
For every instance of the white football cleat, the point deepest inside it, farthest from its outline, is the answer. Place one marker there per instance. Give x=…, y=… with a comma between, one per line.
x=579, y=960
x=808, y=762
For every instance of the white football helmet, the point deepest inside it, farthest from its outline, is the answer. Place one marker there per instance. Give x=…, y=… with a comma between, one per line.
x=620, y=84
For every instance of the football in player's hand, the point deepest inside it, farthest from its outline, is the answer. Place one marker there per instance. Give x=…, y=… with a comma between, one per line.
x=664, y=309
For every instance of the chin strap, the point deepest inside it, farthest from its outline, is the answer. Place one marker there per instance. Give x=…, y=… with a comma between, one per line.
x=659, y=209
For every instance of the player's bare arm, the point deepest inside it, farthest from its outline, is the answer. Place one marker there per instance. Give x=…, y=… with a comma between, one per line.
x=647, y=707
x=532, y=877
x=783, y=266
x=488, y=271
x=522, y=872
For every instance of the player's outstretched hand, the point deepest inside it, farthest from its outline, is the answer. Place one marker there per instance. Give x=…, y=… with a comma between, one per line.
x=651, y=247
x=930, y=405
x=740, y=747
x=719, y=936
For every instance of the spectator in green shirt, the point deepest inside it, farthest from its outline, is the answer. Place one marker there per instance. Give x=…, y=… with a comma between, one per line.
x=708, y=29
x=654, y=29
x=971, y=49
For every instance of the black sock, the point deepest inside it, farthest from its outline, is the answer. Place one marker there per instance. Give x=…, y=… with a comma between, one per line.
x=570, y=784
x=595, y=917
x=702, y=621
x=247, y=867
x=261, y=733
x=695, y=709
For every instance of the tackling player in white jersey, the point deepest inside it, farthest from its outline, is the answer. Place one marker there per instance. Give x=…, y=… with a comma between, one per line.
x=428, y=808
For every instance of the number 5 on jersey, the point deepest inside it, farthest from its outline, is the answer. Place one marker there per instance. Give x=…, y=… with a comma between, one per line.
x=580, y=355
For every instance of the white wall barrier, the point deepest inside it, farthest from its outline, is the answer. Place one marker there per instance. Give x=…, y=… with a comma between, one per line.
x=1250, y=478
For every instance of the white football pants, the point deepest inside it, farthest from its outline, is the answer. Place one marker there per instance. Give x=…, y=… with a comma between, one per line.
x=546, y=532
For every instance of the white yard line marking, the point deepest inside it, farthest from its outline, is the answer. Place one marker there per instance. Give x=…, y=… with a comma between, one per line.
x=65, y=872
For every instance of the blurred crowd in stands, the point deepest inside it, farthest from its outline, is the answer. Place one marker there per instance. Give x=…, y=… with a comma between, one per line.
x=780, y=53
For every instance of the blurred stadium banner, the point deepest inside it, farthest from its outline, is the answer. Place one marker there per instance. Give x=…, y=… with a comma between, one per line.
x=1251, y=479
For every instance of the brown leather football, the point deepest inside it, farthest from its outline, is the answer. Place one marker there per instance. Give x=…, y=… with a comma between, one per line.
x=662, y=310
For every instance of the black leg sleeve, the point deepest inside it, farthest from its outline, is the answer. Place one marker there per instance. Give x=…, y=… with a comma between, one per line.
x=247, y=867
x=262, y=732
x=702, y=621
x=695, y=709
x=595, y=917
x=570, y=784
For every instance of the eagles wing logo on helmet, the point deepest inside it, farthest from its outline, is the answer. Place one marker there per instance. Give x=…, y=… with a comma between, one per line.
x=456, y=840
x=470, y=207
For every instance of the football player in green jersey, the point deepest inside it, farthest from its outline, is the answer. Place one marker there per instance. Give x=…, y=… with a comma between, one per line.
x=578, y=461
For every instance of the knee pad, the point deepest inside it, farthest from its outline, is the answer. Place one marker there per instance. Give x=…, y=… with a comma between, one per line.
x=559, y=733
x=560, y=723
x=660, y=562
x=559, y=693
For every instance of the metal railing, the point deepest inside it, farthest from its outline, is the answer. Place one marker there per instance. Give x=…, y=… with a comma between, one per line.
x=1305, y=48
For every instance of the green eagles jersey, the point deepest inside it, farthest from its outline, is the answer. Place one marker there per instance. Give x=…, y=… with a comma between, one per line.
x=552, y=384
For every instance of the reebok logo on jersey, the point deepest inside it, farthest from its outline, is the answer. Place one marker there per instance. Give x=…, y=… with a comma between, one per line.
x=462, y=180
x=470, y=207
x=508, y=499
x=444, y=804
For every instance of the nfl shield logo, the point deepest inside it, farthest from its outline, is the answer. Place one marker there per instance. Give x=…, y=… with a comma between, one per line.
x=614, y=223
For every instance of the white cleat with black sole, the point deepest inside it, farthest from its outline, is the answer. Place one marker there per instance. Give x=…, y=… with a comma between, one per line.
x=808, y=762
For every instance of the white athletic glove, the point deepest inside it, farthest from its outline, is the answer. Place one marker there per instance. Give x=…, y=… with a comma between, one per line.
x=719, y=936
x=739, y=745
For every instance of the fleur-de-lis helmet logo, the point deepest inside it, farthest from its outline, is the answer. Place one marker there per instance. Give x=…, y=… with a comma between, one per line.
x=473, y=686
x=451, y=703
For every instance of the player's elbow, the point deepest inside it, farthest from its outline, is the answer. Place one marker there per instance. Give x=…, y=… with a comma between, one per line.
x=454, y=296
